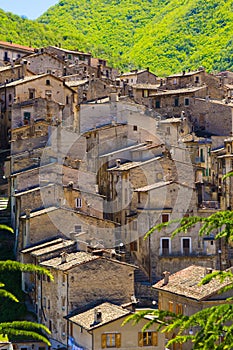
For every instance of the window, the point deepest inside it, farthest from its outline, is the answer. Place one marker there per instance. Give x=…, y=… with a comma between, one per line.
x=78, y=202
x=44, y=302
x=165, y=246
x=26, y=118
x=144, y=93
x=63, y=331
x=165, y=218
x=135, y=128
x=174, y=81
x=47, y=82
x=179, y=309
x=67, y=100
x=186, y=101
x=10, y=97
x=176, y=102
x=196, y=79
x=134, y=246
x=135, y=225
x=48, y=93
x=63, y=303
x=63, y=279
x=69, y=57
x=50, y=325
x=157, y=104
x=186, y=247
x=31, y=93
x=147, y=339
x=78, y=228
x=170, y=306
x=111, y=340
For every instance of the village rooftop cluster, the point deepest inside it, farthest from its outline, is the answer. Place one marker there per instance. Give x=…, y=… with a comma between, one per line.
x=92, y=158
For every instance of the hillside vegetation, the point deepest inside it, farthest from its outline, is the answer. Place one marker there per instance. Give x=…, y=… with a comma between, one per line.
x=167, y=36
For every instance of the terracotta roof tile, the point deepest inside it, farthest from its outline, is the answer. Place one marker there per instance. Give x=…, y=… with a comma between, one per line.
x=186, y=283
x=109, y=313
x=16, y=46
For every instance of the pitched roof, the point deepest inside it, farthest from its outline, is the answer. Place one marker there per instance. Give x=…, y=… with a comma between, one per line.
x=4, y=68
x=109, y=313
x=34, y=77
x=186, y=283
x=79, y=258
x=153, y=186
x=42, y=245
x=131, y=165
x=71, y=51
x=25, y=80
x=16, y=46
x=52, y=248
x=72, y=260
x=186, y=74
x=178, y=91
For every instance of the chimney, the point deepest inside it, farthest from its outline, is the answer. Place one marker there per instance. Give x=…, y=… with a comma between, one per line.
x=97, y=316
x=118, y=163
x=166, y=277
x=27, y=212
x=64, y=256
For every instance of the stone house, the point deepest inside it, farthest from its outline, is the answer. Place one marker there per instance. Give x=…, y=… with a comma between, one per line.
x=170, y=103
x=111, y=280
x=45, y=86
x=91, y=89
x=69, y=56
x=13, y=72
x=222, y=164
x=197, y=78
x=44, y=62
x=199, y=149
x=210, y=116
x=172, y=129
x=104, y=69
x=142, y=92
x=143, y=76
x=86, y=202
x=39, y=225
x=181, y=293
x=48, y=249
x=10, y=52
x=159, y=203
x=33, y=199
x=100, y=327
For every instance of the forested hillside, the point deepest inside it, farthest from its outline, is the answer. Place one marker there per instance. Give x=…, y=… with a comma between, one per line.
x=167, y=36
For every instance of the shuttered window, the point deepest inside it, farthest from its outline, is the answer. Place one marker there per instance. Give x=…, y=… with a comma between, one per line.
x=111, y=340
x=179, y=309
x=170, y=306
x=147, y=339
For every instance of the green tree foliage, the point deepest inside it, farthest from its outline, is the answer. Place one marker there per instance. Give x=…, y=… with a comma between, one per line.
x=19, y=328
x=167, y=36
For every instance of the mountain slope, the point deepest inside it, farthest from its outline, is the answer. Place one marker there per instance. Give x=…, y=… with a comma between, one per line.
x=165, y=35
x=23, y=31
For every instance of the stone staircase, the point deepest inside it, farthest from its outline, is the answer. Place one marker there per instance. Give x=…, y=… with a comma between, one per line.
x=144, y=292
